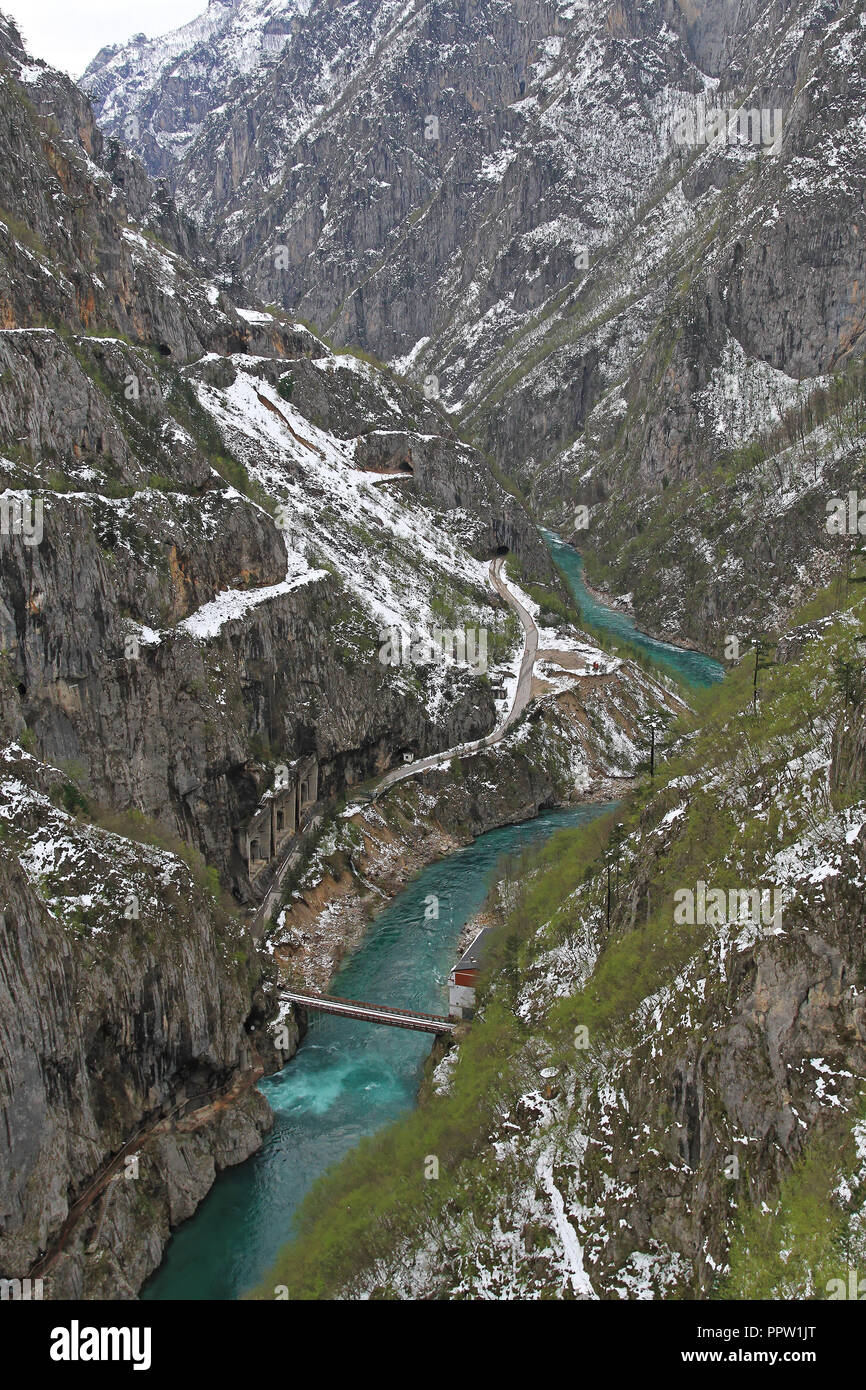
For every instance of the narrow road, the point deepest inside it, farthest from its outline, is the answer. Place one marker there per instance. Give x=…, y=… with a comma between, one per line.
x=530, y=649
x=273, y=897
x=521, y=695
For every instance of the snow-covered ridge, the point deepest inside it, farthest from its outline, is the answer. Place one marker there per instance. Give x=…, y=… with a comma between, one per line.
x=225, y=42
x=334, y=512
x=238, y=33
x=89, y=878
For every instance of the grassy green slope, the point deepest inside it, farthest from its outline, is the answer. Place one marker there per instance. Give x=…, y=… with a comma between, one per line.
x=633, y=1095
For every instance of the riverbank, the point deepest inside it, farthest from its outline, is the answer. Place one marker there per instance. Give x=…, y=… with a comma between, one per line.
x=370, y=886
x=615, y=604
x=683, y=658
x=326, y=921
x=579, y=744
x=349, y=1080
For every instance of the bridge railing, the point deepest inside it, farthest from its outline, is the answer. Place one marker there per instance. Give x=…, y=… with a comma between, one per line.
x=374, y=1013
x=364, y=1004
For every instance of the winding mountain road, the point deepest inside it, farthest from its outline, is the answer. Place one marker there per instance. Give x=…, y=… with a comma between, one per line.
x=273, y=897
x=519, y=703
x=530, y=649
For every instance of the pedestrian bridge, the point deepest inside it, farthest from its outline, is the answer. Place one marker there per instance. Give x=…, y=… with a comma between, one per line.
x=370, y=1013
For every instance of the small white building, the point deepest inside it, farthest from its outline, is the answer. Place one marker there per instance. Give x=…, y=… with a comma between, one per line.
x=464, y=977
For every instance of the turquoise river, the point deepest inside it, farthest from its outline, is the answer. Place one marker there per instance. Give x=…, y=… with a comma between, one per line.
x=350, y=1079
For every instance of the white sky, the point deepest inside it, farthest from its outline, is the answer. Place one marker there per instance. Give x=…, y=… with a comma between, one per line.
x=68, y=33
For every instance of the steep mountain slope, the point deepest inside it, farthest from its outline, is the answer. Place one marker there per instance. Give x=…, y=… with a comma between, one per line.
x=407, y=172
x=131, y=1032
x=558, y=215
x=159, y=92
x=210, y=525
x=215, y=533
x=673, y=1023
x=241, y=515
x=213, y=521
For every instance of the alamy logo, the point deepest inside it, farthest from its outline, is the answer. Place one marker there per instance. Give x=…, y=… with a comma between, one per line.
x=466, y=648
x=846, y=516
x=855, y=1288
x=21, y=515
x=77, y=1343
x=733, y=125
x=713, y=907
x=22, y=1290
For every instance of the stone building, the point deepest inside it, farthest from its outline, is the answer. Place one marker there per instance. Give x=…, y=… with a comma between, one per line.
x=282, y=812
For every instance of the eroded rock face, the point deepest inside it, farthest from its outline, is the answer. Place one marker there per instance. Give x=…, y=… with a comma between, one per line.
x=749, y=1065
x=487, y=74
x=510, y=201
x=197, y=557
x=160, y=497
x=751, y=1054
x=132, y=1011
x=848, y=771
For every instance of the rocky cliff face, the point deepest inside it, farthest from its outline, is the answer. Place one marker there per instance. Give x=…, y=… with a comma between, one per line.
x=175, y=456
x=648, y=311
x=620, y=240
x=131, y=1009
x=210, y=524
